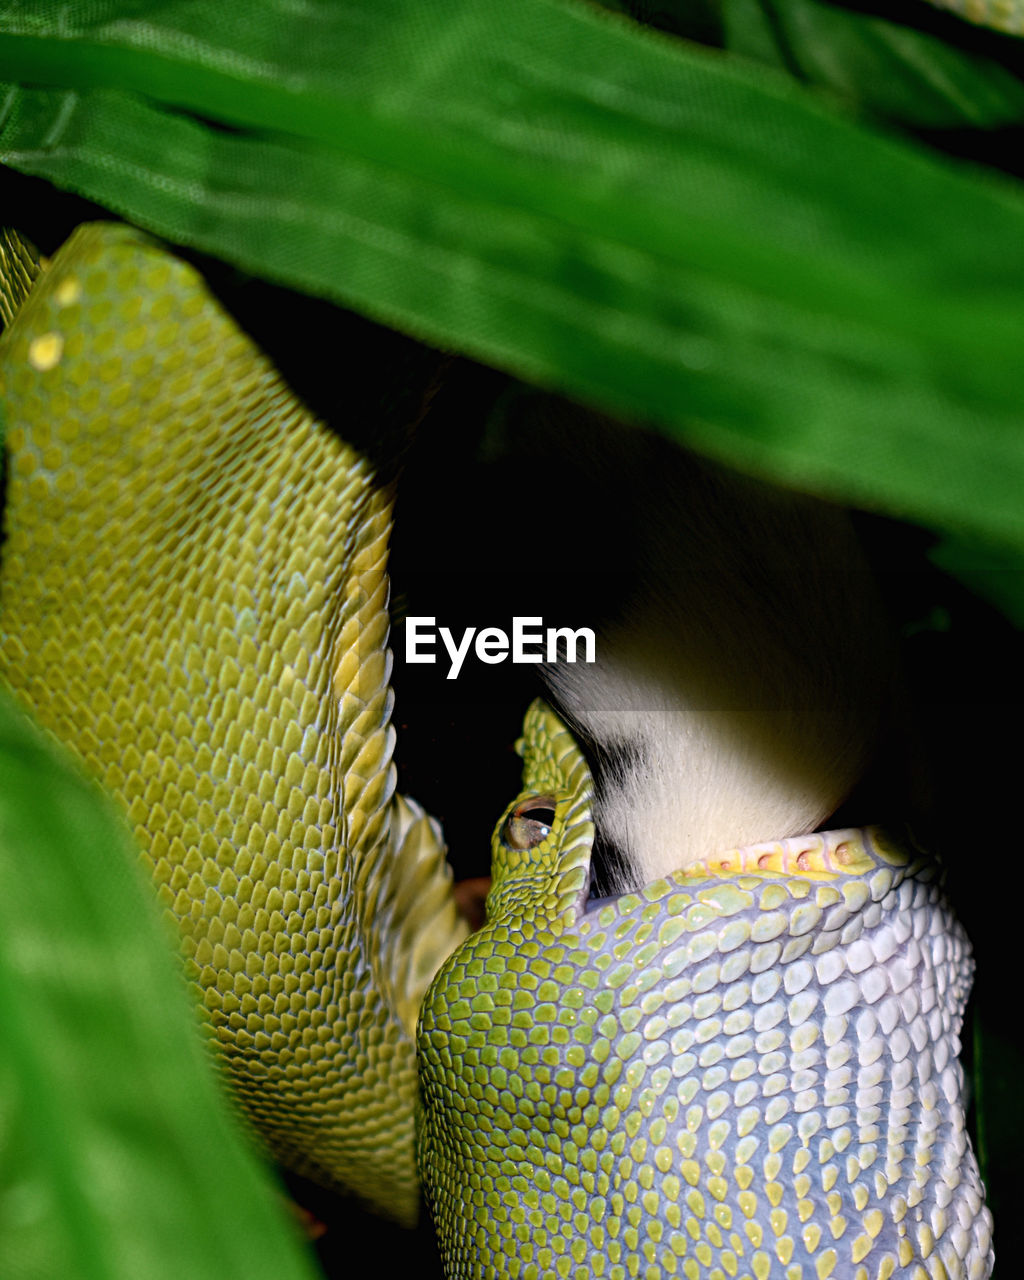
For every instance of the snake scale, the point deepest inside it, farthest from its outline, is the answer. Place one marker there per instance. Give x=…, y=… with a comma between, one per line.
x=220, y=550
x=745, y=1070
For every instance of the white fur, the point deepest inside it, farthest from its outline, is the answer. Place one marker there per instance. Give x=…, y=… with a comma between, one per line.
x=749, y=669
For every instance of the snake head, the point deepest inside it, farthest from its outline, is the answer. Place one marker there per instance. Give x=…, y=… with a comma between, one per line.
x=745, y=1068
x=540, y=851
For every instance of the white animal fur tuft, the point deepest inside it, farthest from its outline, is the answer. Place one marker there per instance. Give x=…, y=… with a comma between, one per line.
x=745, y=679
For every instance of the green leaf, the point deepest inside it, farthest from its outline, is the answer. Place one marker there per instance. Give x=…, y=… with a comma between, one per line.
x=118, y=1156
x=870, y=63
x=996, y=574
x=634, y=221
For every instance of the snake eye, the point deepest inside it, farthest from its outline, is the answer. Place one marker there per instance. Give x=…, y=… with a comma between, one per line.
x=529, y=823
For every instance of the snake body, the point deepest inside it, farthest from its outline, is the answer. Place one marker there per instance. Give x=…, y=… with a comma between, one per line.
x=1000, y=15
x=194, y=600
x=744, y=1070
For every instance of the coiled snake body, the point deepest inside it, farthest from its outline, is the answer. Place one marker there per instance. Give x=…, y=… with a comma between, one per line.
x=210, y=639
x=745, y=1070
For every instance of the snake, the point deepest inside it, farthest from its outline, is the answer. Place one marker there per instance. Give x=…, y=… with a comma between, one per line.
x=999, y=15
x=211, y=644
x=746, y=1068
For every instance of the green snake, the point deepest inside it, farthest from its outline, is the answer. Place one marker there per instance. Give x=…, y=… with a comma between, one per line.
x=211, y=643
x=745, y=1069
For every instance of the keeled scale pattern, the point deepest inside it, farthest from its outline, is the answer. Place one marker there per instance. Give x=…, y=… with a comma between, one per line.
x=747, y=1070
x=194, y=599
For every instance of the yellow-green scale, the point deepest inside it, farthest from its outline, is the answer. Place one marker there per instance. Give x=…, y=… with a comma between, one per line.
x=191, y=560
x=746, y=1070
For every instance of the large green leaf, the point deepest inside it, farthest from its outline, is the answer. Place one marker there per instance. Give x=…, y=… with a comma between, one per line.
x=119, y=1158
x=654, y=227
x=898, y=73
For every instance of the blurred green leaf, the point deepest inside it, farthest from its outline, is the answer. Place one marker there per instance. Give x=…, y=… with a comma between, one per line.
x=870, y=63
x=641, y=223
x=996, y=574
x=118, y=1156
